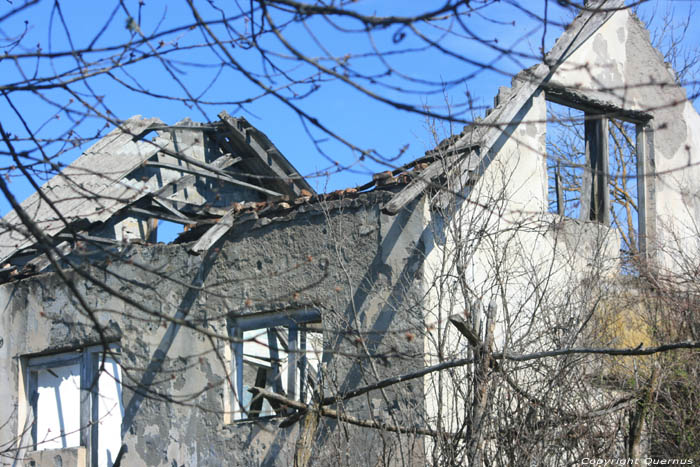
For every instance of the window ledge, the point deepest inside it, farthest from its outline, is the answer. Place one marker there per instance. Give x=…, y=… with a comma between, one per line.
x=587, y=237
x=66, y=457
x=267, y=419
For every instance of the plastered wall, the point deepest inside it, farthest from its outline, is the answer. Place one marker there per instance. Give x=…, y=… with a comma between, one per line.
x=359, y=267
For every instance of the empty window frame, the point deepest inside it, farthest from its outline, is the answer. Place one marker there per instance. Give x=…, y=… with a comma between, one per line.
x=623, y=182
x=596, y=167
x=76, y=400
x=566, y=159
x=279, y=352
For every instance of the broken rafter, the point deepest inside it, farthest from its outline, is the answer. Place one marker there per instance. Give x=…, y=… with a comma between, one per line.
x=8, y=269
x=165, y=204
x=182, y=219
x=212, y=235
x=227, y=176
x=157, y=127
x=210, y=168
x=72, y=237
x=220, y=163
x=282, y=173
x=196, y=172
x=418, y=184
x=42, y=262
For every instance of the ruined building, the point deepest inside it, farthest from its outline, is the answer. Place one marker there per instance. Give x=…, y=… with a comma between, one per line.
x=211, y=349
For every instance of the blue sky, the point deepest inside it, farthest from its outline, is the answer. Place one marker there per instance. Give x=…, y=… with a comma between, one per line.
x=352, y=115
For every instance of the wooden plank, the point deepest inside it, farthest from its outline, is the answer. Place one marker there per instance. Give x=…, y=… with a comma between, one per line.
x=212, y=235
x=87, y=238
x=210, y=168
x=270, y=158
x=225, y=175
x=257, y=158
x=460, y=322
x=89, y=407
x=222, y=163
x=415, y=187
x=303, y=363
x=200, y=173
x=596, y=181
x=237, y=371
x=42, y=262
x=157, y=127
x=149, y=213
x=646, y=222
x=256, y=403
x=7, y=270
x=292, y=359
x=165, y=204
x=273, y=342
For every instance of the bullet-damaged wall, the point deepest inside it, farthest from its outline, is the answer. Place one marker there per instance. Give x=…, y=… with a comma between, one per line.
x=167, y=309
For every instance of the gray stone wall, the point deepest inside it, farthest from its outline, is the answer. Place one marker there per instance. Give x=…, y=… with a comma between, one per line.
x=361, y=269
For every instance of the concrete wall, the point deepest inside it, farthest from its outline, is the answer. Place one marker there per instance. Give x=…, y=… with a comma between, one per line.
x=501, y=246
x=58, y=458
x=361, y=269
x=503, y=237
x=544, y=274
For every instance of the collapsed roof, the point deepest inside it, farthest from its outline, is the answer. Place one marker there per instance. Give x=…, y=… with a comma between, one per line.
x=187, y=173
x=239, y=173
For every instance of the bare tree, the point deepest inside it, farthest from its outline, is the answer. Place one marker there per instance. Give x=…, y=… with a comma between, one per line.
x=467, y=326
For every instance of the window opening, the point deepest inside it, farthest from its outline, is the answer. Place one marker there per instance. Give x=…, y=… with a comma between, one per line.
x=56, y=403
x=624, y=195
x=592, y=170
x=76, y=400
x=279, y=352
x=566, y=159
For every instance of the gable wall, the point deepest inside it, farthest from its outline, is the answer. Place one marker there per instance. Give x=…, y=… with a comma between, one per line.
x=619, y=66
x=543, y=274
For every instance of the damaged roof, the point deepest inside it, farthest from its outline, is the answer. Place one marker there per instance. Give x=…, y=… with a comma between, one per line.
x=92, y=188
x=106, y=179
x=111, y=176
x=465, y=153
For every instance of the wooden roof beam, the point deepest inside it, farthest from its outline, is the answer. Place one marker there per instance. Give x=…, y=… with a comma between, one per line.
x=213, y=235
x=201, y=173
x=217, y=171
x=182, y=219
x=281, y=170
x=188, y=180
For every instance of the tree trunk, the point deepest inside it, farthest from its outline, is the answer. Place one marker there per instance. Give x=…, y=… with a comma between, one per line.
x=634, y=444
x=305, y=443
